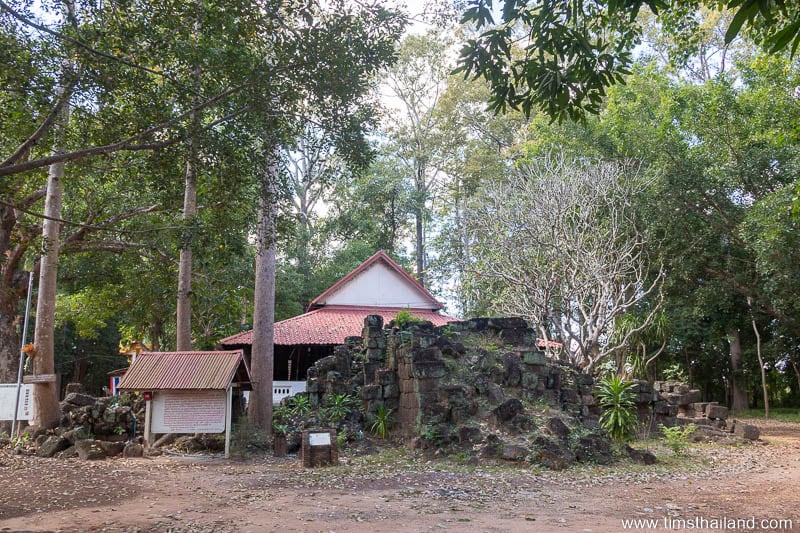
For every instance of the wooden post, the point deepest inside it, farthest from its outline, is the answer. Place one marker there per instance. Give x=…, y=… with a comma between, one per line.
x=228, y=409
x=148, y=413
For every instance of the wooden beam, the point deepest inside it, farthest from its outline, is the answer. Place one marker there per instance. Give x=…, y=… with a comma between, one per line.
x=39, y=378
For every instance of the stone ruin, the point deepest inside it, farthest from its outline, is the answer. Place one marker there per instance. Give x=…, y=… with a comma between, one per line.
x=683, y=406
x=483, y=387
x=479, y=388
x=91, y=427
x=466, y=388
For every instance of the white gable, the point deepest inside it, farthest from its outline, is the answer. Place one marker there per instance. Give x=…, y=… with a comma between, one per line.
x=379, y=286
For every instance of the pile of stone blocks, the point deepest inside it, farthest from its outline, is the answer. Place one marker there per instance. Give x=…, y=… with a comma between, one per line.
x=677, y=399
x=678, y=394
x=433, y=384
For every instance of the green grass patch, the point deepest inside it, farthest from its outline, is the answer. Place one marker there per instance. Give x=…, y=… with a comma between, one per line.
x=782, y=414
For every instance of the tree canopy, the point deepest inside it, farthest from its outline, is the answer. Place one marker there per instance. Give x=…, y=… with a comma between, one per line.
x=561, y=57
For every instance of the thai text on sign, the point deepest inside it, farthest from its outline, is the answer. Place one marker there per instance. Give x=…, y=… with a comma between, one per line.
x=189, y=411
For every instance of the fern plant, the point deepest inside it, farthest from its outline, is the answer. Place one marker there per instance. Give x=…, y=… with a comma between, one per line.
x=300, y=405
x=404, y=318
x=619, y=408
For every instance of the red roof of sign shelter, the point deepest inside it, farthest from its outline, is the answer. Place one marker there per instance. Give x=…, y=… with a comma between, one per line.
x=331, y=325
x=187, y=371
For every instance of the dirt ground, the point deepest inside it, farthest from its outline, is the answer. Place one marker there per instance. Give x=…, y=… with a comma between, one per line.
x=753, y=487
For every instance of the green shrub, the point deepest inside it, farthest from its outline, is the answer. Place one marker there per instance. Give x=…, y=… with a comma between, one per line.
x=300, y=405
x=21, y=441
x=280, y=413
x=247, y=439
x=677, y=438
x=404, y=318
x=675, y=372
x=383, y=421
x=337, y=407
x=619, y=408
x=342, y=437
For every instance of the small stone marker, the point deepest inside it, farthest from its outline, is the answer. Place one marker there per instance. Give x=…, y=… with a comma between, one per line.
x=319, y=448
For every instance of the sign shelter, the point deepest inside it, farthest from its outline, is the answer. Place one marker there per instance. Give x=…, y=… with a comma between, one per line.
x=187, y=392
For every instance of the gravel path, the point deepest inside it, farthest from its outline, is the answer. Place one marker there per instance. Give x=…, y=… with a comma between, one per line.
x=401, y=491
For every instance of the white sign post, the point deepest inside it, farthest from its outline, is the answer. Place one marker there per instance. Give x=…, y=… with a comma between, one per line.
x=319, y=439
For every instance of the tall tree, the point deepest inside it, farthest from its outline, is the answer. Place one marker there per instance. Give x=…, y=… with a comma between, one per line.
x=329, y=75
x=417, y=82
x=46, y=395
x=259, y=412
x=559, y=244
x=314, y=170
x=724, y=153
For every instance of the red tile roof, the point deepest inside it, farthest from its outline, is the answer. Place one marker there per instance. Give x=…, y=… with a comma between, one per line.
x=378, y=256
x=331, y=324
x=186, y=370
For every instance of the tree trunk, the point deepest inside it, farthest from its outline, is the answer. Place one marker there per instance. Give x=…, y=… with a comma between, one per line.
x=304, y=258
x=761, y=366
x=183, y=334
x=156, y=330
x=9, y=338
x=796, y=371
x=79, y=368
x=183, y=341
x=420, y=246
x=9, y=343
x=419, y=213
x=259, y=412
x=45, y=395
x=739, y=400
x=13, y=289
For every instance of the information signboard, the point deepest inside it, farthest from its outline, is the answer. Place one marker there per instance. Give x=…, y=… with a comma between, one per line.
x=8, y=397
x=319, y=439
x=180, y=411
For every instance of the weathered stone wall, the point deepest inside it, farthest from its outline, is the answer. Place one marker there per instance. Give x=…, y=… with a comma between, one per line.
x=431, y=378
x=484, y=384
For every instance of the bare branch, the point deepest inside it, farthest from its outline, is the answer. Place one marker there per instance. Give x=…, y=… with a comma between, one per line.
x=558, y=244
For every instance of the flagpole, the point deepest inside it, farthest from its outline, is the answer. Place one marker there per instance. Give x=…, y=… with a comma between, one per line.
x=21, y=352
